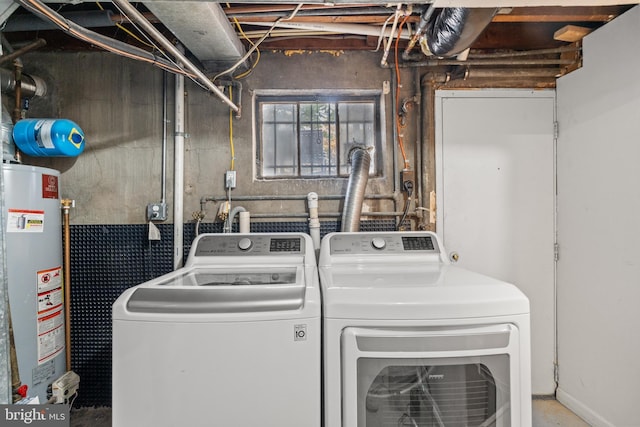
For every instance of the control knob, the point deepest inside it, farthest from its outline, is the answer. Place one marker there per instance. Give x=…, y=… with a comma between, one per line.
x=245, y=244
x=378, y=243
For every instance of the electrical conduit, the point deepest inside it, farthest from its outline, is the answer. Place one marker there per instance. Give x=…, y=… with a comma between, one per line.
x=178, y=175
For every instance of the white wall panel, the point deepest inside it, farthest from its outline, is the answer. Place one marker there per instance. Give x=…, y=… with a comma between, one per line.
x=495, y=190
x=598, y=227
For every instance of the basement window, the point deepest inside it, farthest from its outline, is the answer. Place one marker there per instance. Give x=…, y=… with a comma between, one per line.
x=311, y=136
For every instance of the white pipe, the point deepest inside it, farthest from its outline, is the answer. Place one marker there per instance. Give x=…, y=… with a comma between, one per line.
x=245, y=221
x=314, y=222
x=228, y=224
x=178, y=175
x=360, y=29
x=383, y=62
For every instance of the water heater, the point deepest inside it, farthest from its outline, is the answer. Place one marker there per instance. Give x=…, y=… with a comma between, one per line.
x=34, y=272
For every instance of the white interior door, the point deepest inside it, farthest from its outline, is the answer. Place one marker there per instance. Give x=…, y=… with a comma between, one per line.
x=495, y=186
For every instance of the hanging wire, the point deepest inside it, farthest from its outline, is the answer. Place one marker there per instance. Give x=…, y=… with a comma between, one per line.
x=155, y=47
x=255, y=46
x=244, y=36
x=98, y=40
x=126, y=30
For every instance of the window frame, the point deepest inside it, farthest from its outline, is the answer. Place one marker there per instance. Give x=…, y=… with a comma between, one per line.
x=321, y=96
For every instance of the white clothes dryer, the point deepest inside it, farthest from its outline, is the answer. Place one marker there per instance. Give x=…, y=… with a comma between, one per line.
x=410, y=340
x=231, y=339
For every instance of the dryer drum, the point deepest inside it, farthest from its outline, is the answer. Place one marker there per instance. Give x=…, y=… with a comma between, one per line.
x=451, y=396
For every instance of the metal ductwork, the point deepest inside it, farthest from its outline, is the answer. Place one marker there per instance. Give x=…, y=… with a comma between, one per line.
x=203, y=29
x=360, y=160
x=29, y=85
x=452, y=30
x=88, y=19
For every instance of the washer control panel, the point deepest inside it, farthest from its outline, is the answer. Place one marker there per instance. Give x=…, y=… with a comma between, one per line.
x=387, y=243
x=228, y=244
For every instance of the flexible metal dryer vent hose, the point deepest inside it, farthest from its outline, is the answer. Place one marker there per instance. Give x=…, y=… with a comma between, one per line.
x=360, y=160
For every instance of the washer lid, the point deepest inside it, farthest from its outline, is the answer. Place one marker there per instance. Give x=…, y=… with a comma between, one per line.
x=220, y=290
x=247, y=276
x=415, y=292
x=223, y=300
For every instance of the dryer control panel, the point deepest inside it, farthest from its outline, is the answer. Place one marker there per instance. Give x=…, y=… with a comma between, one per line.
x=226, y=245
x=388, y=243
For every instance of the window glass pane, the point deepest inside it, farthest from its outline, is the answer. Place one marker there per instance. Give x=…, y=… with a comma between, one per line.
x=356, y=130
x=268, y=149
x=358, y=112
x=286, y=150
x=331, y=148
x=285, y=112
x=279, y=141
x=302, y=138
x=317, y=139
x=268, y=112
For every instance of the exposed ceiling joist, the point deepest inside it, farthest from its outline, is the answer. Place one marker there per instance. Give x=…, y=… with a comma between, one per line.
x=436, y=3
x=528, y=3
x=561, y=14
x=208, y=29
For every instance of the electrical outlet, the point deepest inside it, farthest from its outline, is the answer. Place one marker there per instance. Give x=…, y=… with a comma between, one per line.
x=230, y=179
x=406, y=175
x=157, y=211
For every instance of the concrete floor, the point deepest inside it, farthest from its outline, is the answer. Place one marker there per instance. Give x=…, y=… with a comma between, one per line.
x=546, y=413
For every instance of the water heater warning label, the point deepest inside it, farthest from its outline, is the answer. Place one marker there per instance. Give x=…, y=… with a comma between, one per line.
x=50, y=315
x=50, y=280
x=25, y=221
x=50, y=336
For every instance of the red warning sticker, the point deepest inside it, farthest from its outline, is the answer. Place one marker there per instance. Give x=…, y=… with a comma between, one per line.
x=49, y=186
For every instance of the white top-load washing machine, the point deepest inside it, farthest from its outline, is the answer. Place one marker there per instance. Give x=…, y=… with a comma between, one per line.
x=231, y=339
x=410, y=340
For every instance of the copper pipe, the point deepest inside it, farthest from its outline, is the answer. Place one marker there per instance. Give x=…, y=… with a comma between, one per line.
x=18, y=53
x=67, y=204
x=17, y=111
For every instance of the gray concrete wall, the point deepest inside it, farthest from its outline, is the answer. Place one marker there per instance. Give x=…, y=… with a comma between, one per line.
x=118, y=104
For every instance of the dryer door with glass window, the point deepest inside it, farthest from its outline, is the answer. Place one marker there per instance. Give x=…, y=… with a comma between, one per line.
x=436, y=377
